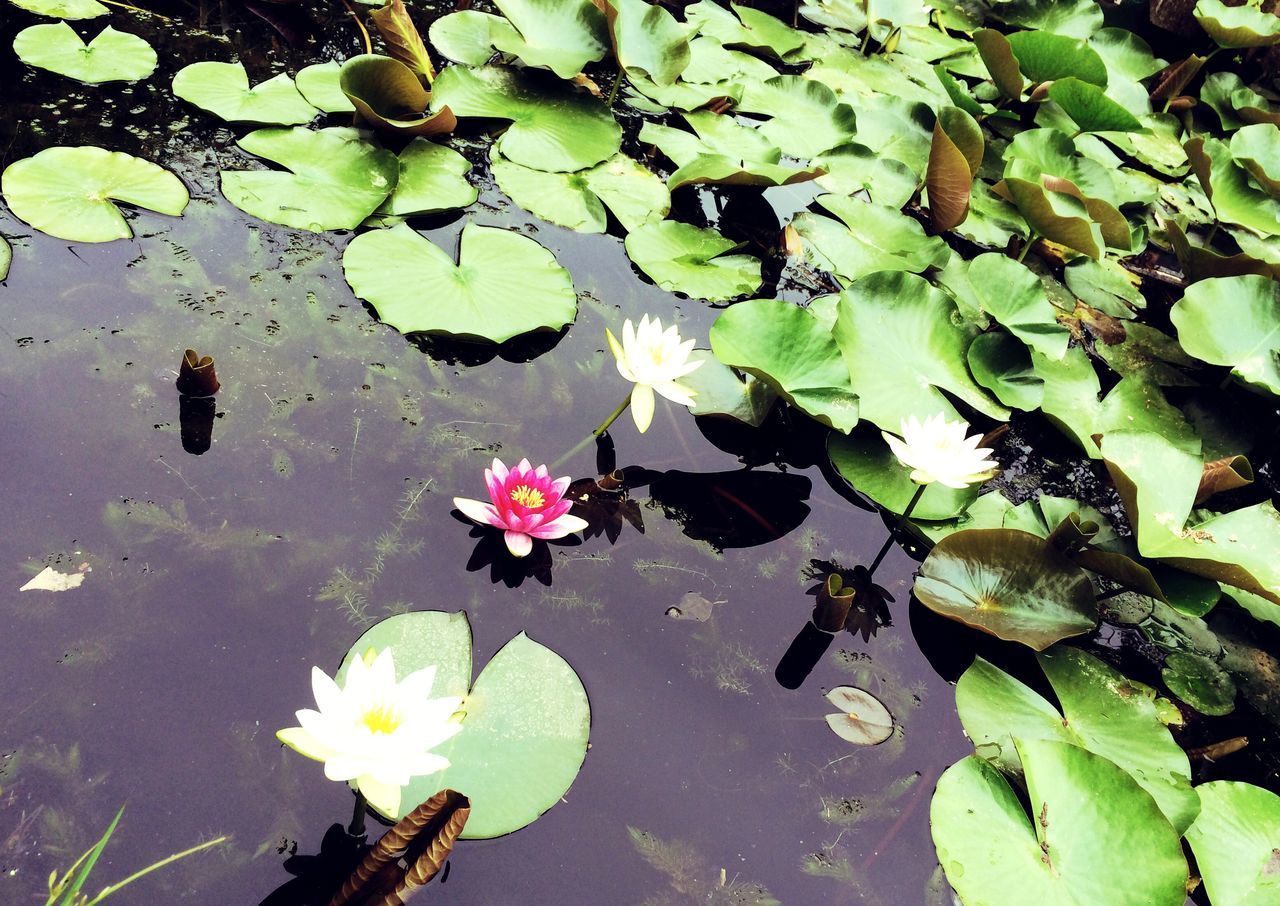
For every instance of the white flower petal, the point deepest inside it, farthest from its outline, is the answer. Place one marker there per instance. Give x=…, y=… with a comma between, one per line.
x=642, y=406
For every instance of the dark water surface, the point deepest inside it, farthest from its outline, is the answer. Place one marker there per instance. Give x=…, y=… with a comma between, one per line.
x=217, y=581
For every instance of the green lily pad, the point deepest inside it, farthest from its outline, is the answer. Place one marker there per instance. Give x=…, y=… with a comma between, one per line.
x=683, y=258
x=388, y=95
x=854, y=168
x=1233, y=321
x=648, y=41
x=806, y=117
x=1008, y=583
x=470, y=36
x=1058, y=216
x=1091, y=109
x=865, y=461
x=1046, y=57
x=1003, y=365
x=1077, y=846
x=525, y=726
x=111, y=56
x=562, y=37
x=722, y=151
x=904, y=313
x=745, y=27
x=793, y=352
x=719, y=390
x=578, y=200
x=338, y=178
x=1076, y=18
x=1102, y=711
x=6, y=257
x=63, y=9
x=504, y=285
x=433, y=178
x=1226, y=183
x=71, y=192
x=1257, y=149
x=1009, y=292
x=1235, y=843
x=552, y=128
x=867, y=238
x=1238, y=26
x=1200, y=682
x=223, y=89
x=320, y=84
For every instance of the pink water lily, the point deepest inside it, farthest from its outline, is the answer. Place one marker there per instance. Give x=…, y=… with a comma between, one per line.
x=526, y=504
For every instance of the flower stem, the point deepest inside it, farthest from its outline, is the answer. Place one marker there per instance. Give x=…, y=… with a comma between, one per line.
x=1031, y=240
x=613, y=92
x=888, y=542
x=613, y=417
x=356, y=827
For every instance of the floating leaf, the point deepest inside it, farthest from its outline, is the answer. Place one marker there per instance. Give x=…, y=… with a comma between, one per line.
x=866, y=462
x=338, y=178
x=683, y=258
x=1046, y=57
x=525, y=725
x=1233, y=321
x=578, y=200
x=1091, y=109
x=719, y=390
x=954, y=160
x=722, y=151
x=1009, y=292
x=806, y=117
x=433, y=178
x=904, y=313
x=862, y=719
x=69, y=192
x=1257, y=149
x=1066, y=851
x=223, y=89
x=6, y=257
x=853, y=168
x=562, y=37
x=1102, y=711
x=1238, y=26
x=387, y=95
x=111, y=56
x=1200, y=682
x=63, y=9
x=49, y=579
x=647, y=40
x=867, y=238
x=788, y=348
x=320, y=84
x=504, y=285
x=997, y=55
x=1003, y=365
x=1235, y=841
x=1058, y=216
x=552, y=128
x=1226, y=183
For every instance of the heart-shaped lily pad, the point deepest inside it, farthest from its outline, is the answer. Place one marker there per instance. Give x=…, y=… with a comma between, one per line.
x=6, y=257
x=867, y=238
x=1233, y=321
x=722, y=151
x=320, y=84
x=111, y=56
x=69, y=192
x=1008, y=583
x=553, y=127
x=561, y=36
x=1236, y=840
x=687, y=259
x=862, y=719
x=806, y=117
x=1077, y=846
x=1242, y=25
x=504, y=285
x=338, y=178
x=63, y=9
x=223, y=89
x=647, y=40
x=578, y=200
x=525, y=726
x=433, y=178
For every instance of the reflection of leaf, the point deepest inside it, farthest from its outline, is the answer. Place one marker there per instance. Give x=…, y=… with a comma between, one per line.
x=605, y=504
x=733, y=509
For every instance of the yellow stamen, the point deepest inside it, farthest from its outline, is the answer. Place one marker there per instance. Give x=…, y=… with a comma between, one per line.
x=527, y=496
x=382, y=719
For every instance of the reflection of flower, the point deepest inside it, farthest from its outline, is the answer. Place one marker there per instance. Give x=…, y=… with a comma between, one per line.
x=526, y=504
x=937, y=450
x=374, y=730
x=653, y=359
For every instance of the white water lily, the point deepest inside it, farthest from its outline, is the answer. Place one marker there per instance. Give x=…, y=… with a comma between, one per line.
x=938, y=450
x=653, y=359
x=374, y=731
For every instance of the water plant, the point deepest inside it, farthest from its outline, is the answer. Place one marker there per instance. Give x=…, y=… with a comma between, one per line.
x=527, y=504
x=653, y=359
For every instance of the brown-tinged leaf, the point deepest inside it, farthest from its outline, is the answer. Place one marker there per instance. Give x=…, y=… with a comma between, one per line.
x=1200, y=263
x=402, y=38
x=196, y=376
x=834, y=601
x=1224, y=474
x=389, y=97
x=954, y=158
x=1072, y=534
x=1201, y=164
x=997, y=54
x=1058, y=216
x=409, y=855
x=1176, y=77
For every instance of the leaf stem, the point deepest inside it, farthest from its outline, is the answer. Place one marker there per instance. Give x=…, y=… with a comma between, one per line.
x=902, y=520
x=613, y=92
x=137, y=9
x=356, y=827
x=1031, y=240
x=107, y=891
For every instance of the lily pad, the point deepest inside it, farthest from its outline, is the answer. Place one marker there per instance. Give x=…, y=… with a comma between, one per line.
x=719, y=390
x=1200, y=682
x=1088, y=818
x=578, y=200
x=433, y=178
x=320, y=84
x=806, y=117
x=1238, y=26
x=683, y=258
x=1235, y=198
x=862, y=719
x=63, y=9
x=1014, y=296
x=1091, y=109
x=389, y=96
x=223, y=89
x=338, y=178
x=70, y=192
x=6, y=257
x=525, y=724
x=111, y=56
x=1008, y=583
x=1046, y=57
x=563, y=37
x=854, y=168
x=867, y=238
x=648, y=41
x=954, y=159
x=504, y=285
x=793, y=352
x=1257, y=149
x=553, y=128
x=1233, y=321
x=722, y=151
x=904, y=313
x=1002, y=364
x=1102, y=711
x=1236, y=841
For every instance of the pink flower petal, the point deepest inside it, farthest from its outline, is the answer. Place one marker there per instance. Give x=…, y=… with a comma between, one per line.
x=558, y=528
x=479, y=513
x=559, y=486
x=518, y=543
x=500, y=470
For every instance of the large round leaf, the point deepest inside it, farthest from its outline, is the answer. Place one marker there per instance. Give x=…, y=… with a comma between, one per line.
x=223, y=89
x=806, y=117
x=1093, y=837
x=722, y=151
x=793, y=351
x=1236, y=841
x=63, y=9
x=1233, y=321
x=1010, y=584
x=1014, y=296
x=552, y=127
x=433, y=178
x=1091, y=109
x=687, y=259
x=111, y=56
x=867, y=238
x=1235, y=197
x=1045, y=57
x=867, y=463
x=6, y=257
x=504, y=285
x=69, y=192
x=338, y=178
x=526, y=724
x=1242, y=25
x=561, y=35
x=1101, y=711
x=320, y=84
x=578, y=200
x=647, y=40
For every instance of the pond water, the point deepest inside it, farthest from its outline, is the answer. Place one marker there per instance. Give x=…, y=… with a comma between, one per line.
x=214, y=582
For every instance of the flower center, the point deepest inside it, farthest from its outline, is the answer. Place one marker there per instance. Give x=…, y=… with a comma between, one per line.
x=381, y=719
x=527, y=496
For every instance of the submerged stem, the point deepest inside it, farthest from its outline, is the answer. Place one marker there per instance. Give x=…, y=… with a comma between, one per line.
x=137, y=9
x=902, y=520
